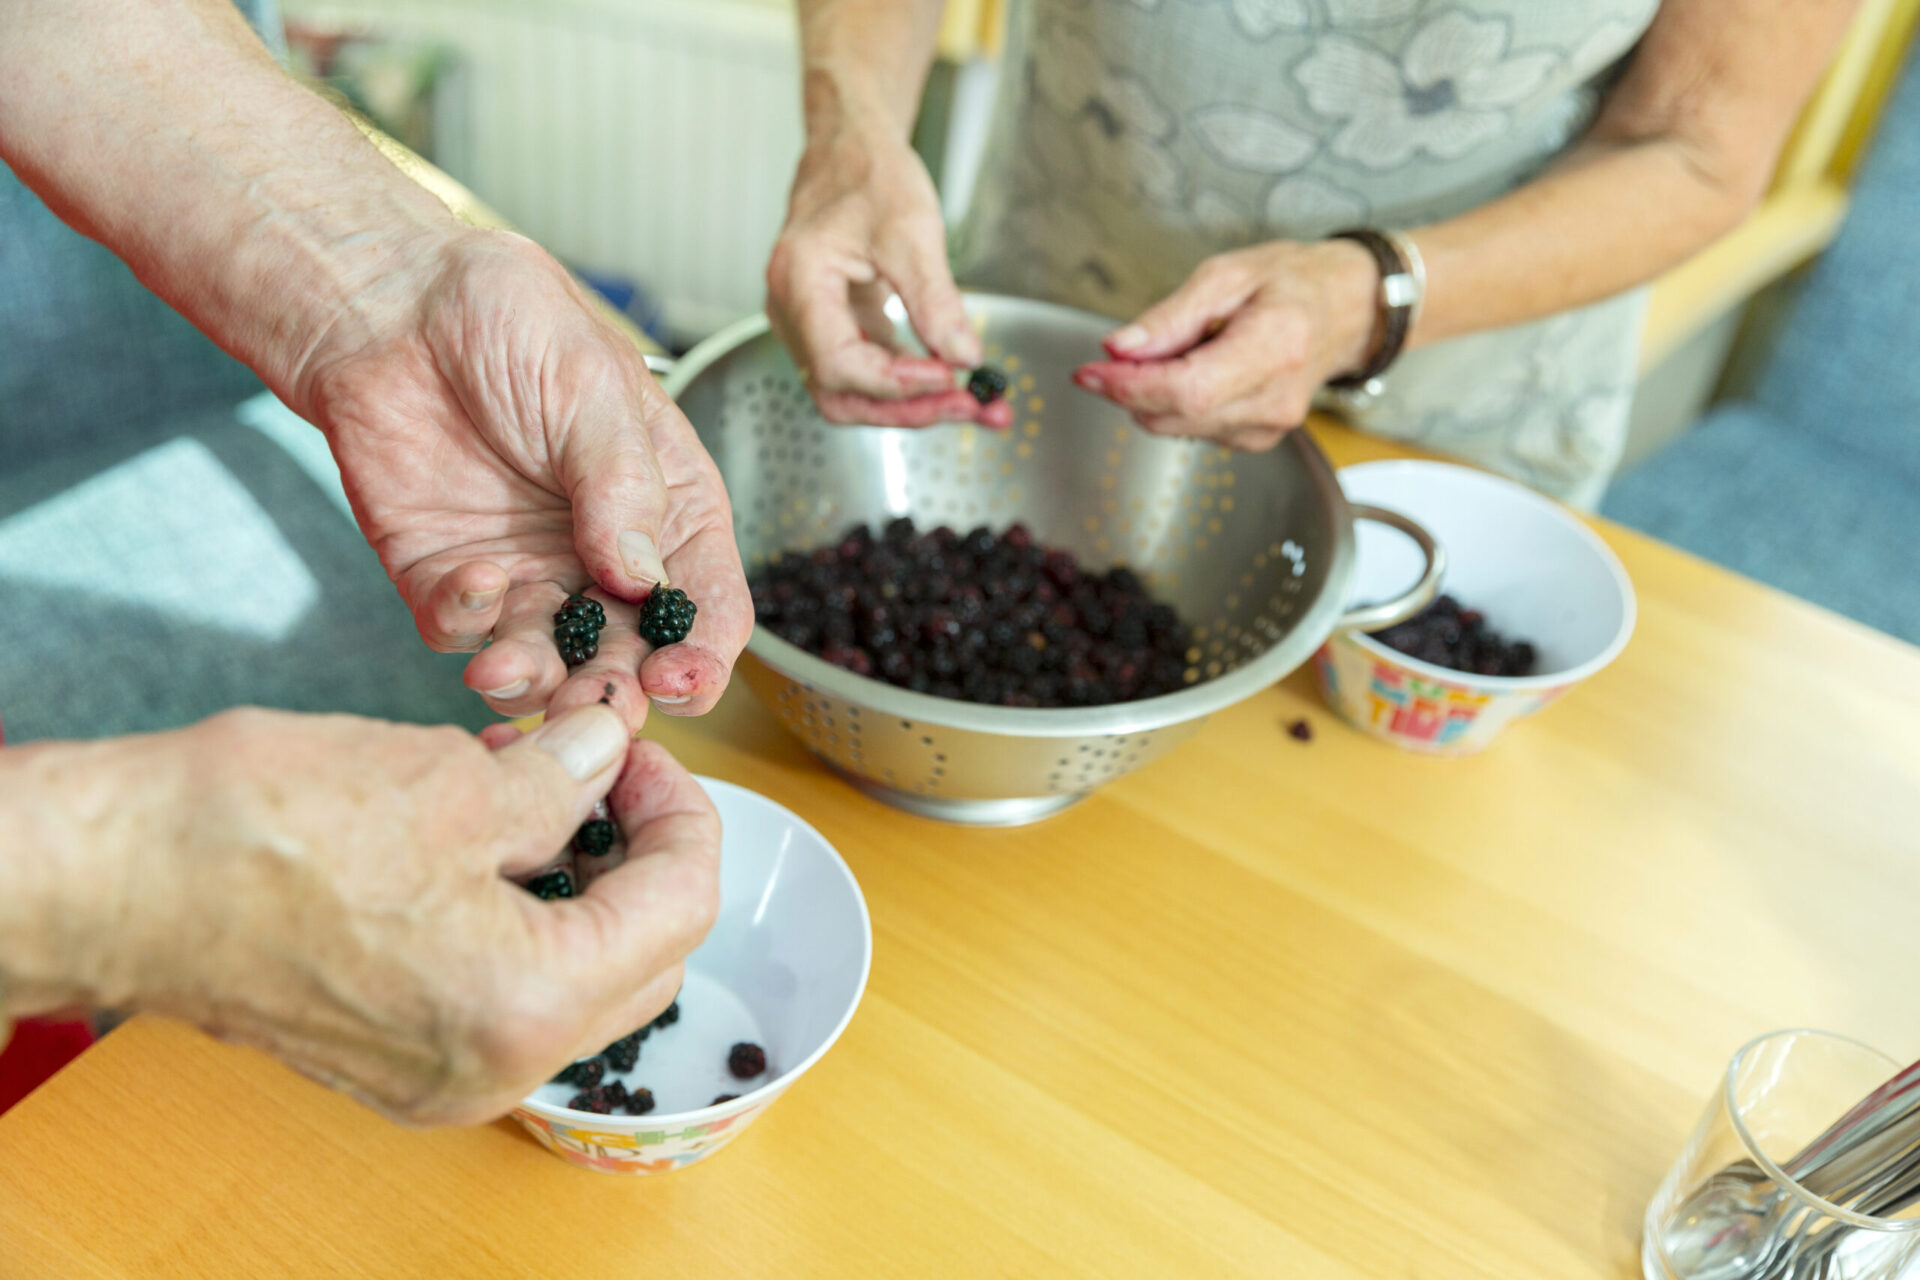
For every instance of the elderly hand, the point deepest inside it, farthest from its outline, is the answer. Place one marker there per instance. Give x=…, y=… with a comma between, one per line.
x=503, y=447
x=863, y=222
x=333, y=890
x=1237, y=352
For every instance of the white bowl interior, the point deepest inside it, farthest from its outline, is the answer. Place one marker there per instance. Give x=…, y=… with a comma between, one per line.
x=792, y=941
x=1530, y=565
x=784, y=966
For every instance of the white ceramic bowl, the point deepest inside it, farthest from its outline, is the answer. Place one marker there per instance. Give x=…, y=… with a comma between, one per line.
x=1531, y=565
x=784, y=967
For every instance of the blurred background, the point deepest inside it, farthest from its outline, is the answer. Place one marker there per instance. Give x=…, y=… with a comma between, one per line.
x=649, y=143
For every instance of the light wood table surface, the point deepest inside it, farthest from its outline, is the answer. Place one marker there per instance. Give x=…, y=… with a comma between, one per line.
x=1265, y=1009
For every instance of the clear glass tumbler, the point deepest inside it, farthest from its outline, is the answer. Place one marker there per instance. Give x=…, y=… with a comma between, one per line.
x=1727, y=1210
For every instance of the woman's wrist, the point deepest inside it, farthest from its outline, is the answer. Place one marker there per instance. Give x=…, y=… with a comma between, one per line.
x=79, y=822
x=1350, y=283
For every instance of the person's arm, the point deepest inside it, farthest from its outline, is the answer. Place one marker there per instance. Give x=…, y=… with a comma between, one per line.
x=164, y=130
x=332, y=890
x=863, y=221
x=1682, y=150
x=502, y=444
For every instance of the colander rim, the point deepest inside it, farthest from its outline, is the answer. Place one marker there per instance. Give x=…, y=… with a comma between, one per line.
x=1308, y=632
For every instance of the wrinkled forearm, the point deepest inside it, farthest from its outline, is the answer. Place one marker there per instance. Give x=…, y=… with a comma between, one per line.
x=866, y=61
x=164, y=130
x=1679, y=155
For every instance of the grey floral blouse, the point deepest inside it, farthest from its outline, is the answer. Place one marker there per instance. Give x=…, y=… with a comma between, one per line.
x=1133, y=138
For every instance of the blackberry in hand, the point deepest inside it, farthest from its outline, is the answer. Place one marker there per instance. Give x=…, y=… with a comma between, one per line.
x=623, y=1053
x=576, y=629
x=594, y=838
x=554, y=884
x=986, y=384
x=668, y=1016
x=666, y=617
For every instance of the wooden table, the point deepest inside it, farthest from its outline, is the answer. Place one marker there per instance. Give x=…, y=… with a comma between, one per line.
x=1266, y=1009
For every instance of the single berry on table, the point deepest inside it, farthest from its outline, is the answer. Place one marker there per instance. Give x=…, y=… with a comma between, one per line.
x=554, y=884
x=623, y=1053
x=666, y=617
x=594, y=838
x=746, y=1060
x=1301, y=730
x=582, y=1075
x=987, y=384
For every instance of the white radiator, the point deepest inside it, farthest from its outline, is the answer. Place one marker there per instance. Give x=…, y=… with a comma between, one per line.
x=653, y=139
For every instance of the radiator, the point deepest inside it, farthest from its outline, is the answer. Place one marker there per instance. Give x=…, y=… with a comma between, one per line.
x=651, y=139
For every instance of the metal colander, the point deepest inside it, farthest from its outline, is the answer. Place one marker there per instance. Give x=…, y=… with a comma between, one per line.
x=1254, y=550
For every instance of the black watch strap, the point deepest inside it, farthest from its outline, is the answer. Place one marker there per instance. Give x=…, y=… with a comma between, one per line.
x=1396, y=311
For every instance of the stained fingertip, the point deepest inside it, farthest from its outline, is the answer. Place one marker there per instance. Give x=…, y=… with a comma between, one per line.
x=496, y=736
x=996, y=415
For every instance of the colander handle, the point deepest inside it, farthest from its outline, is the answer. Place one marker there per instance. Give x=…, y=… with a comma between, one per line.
x=1387, y=613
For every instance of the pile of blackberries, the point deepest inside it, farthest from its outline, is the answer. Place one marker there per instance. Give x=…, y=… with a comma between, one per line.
x=576, y=629
x=1446, y=635
x=984, y=617
x=620, y=1056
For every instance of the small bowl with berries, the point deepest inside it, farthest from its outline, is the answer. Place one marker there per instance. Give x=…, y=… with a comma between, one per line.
x=765, y=996
x=1533, y=603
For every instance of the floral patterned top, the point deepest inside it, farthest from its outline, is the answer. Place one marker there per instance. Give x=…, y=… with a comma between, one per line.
x=1133, y=138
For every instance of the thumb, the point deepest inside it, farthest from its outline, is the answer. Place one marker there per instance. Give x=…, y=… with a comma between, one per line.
x=1214, y=291
x=619, y=492
x=551, y=778
x=914, y=261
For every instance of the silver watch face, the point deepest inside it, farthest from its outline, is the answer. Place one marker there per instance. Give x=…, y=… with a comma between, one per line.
x=1400, y=290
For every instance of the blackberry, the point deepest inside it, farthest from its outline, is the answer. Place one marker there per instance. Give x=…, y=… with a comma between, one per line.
x=722, y=1097
x=639, y=1102
x=554, y=884
x=1447, y=635
x=594, y=1100
x=746, y=1060
x=987, y=384
x=623, y=1053
x=576, y=629
x=1300, y=730
x=615, y=1095
x=668, y=1016
x=666, y=617
x=594, y=838
x=582, y=1075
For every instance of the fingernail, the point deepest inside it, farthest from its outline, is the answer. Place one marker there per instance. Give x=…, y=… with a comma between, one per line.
x=964, y=345
x=642, y=557
x=480, y=601
x=1090, y=381
x=1128, y=338
x=587, y=741
x=659, y=701
x=513, y=690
